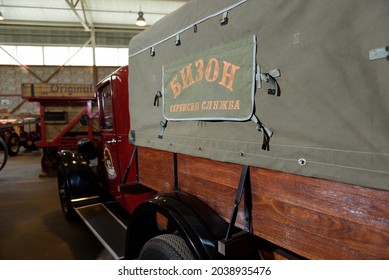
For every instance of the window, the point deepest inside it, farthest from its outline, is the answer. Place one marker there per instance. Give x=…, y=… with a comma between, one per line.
x=83, y=57
x=56, y=117
x=55, y=55
x=30, y=55
x=6, y=54
x=123, y=56
x=75, y=56
x=107, y=107
x=111, y=56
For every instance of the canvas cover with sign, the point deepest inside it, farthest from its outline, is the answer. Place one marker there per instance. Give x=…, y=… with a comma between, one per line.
x=214, y=85
x=203, y=81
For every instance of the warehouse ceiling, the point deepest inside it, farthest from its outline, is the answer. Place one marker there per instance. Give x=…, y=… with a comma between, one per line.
x=71, y=22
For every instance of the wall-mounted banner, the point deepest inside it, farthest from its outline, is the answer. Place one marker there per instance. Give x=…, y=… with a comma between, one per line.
x=58, y=90
x=218, y=84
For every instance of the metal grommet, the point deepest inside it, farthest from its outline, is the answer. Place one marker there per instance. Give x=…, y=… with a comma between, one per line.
x=302, y=161
x=152, y=51
x=177, y=42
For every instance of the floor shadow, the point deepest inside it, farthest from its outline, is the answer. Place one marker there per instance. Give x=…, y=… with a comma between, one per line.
x=83, y=245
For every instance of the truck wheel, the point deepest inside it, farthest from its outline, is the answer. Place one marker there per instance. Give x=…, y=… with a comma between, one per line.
x=64, y=197
x=30, y=144
x=166, y=247
x=3, y=153
x=13, y=144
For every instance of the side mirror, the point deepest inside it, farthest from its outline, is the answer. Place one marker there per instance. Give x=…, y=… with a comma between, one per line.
x=84, y=120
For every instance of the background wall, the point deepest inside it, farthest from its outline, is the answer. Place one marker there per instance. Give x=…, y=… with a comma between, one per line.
x=12, y=78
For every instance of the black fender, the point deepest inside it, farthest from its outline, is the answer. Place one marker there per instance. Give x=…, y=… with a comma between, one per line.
x=199, y=225
x=79, y=177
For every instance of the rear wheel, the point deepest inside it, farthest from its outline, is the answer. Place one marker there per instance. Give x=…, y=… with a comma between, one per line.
x=30, y=144
x=13, y=144
x=166, y=247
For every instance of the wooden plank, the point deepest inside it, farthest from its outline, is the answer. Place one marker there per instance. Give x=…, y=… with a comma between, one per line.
x=213, y=182
x=320, y=219
x=156, y=169
x=314, y=218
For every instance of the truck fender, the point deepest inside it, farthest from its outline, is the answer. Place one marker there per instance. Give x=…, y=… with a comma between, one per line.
x=76, y=173
x=199, y=225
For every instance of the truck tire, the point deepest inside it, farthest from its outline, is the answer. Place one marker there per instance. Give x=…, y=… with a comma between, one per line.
x=65, y=199
x=3, y=153
x=30, y=144
x=13, y=144
x=166, y=247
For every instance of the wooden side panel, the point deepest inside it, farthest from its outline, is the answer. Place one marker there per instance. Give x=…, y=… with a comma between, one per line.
x=156, y=169
x=314, y=218
x=213, y=182
x=320, y=219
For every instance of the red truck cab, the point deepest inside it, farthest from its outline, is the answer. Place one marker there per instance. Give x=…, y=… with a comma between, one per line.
x=114, y=121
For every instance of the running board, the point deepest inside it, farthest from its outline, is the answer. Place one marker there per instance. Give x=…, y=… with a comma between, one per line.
x=110, y=231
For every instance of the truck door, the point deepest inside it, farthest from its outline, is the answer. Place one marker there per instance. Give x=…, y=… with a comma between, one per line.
x=110, y=139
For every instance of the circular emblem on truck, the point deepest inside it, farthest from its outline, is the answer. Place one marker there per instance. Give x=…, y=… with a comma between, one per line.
x=108, y=163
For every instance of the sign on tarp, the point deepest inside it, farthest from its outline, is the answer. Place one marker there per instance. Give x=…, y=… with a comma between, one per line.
x=214, y=85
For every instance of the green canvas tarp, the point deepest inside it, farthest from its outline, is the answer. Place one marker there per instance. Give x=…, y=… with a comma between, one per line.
x=295, y=86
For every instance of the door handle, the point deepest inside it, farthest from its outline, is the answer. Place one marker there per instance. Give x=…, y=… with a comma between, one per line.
x=112, y=141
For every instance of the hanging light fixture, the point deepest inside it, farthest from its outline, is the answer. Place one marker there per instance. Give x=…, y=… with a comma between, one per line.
x=140, y=21
x=1, y=16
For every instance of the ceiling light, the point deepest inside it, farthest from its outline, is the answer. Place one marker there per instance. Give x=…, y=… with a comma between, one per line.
x=140, y=21
x=1, y=16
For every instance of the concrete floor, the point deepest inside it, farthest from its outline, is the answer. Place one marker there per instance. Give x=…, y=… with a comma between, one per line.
x=32, y=226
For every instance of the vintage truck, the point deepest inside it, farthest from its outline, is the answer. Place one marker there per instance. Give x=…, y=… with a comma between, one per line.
x=19, y=130
x=61, y=106
x=242, y=129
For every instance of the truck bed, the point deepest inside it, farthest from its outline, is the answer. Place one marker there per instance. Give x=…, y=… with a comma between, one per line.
x=314, y=218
